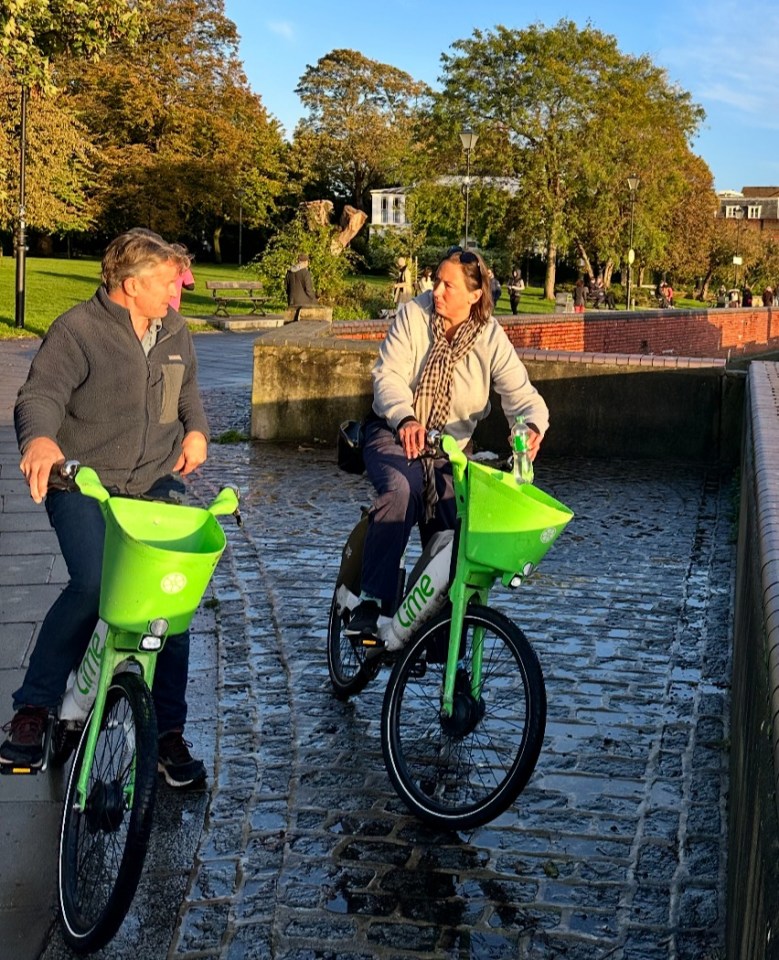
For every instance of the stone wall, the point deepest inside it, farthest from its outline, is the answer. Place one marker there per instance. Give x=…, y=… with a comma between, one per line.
x=721, y=333
x=603, y=405
x=753, y=816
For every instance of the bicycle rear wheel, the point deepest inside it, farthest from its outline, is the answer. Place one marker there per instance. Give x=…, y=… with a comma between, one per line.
x=463, y=771
x=103, y=847
x=349, y=671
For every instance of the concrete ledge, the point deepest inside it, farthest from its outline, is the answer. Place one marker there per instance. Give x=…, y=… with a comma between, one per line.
x=753, y=817
x=306, y=381
x=244, y=324
x=309, y=313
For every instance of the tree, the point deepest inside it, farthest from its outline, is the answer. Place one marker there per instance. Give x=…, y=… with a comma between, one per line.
x=32, y=32
x=579, y=117
x=184, y=144
x=59, y=162
x=356, y=134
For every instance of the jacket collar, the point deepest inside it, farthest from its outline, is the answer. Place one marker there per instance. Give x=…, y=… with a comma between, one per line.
x=171, y=323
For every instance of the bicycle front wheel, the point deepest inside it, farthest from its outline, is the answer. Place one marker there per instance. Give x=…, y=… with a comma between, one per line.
x=462, y=771
x=103, y=847
x=349, y=670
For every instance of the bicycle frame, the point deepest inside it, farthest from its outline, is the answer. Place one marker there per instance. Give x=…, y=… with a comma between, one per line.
x=123, y=646
x=471, y=579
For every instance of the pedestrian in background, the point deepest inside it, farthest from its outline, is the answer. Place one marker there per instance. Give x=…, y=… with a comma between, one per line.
x=184, y=280
x=579, y=296
x=515, y=287
x=299, y=285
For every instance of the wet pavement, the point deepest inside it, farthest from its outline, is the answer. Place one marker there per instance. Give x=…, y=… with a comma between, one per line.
x=300, y=850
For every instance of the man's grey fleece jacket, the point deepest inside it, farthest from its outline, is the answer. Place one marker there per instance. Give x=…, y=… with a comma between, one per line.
x=93, y=390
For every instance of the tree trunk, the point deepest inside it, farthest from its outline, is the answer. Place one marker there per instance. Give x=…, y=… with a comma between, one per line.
x=704, y=290
x=551, y=270
x=217, y=244
x=608, y=270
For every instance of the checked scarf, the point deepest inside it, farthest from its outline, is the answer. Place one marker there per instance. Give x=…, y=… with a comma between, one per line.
x=433, y=395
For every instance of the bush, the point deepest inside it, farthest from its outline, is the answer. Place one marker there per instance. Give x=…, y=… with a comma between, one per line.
x=329, y=270
x=362, y=301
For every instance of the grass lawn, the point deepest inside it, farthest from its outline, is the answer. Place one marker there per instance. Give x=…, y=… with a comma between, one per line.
x=54, y=285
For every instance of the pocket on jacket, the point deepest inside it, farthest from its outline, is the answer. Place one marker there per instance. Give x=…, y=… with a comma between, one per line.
x=172, y=378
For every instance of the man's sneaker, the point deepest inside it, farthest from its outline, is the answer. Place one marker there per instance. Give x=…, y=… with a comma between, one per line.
x=364, y=621
x=24, y=746
x=176, y=763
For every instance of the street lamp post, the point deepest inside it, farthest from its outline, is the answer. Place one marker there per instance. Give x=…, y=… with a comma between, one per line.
x=21, y=233
x=633, y=183
x=738, y=213
x=469, y=139
x=240, y=230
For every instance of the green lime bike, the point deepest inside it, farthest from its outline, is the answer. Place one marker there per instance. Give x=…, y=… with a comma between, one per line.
x=158, y=560
x=464, y=710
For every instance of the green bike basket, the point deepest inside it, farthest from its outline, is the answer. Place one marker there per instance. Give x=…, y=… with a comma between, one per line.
x=157, y=562
x=510, y=525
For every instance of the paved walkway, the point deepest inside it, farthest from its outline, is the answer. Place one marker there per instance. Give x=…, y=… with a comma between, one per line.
x=299, y=848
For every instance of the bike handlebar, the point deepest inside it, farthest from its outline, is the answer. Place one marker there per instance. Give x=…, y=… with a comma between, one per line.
x=71, y=476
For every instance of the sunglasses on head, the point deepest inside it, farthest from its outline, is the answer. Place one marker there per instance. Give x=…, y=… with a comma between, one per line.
x=464, y=256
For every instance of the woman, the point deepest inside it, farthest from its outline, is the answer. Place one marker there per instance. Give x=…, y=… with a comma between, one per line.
x=515, y=287
x=579, y=296
x=441, y=355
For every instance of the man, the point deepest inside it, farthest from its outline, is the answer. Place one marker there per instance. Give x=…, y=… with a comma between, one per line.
x=114, y=385
x=299, y=285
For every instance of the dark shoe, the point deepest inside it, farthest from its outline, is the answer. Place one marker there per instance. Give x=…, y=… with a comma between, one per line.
x=364, y=621
x=176, y=763
x=26, y=731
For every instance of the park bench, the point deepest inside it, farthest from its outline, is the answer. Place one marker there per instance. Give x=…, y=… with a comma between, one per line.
x=226, y=292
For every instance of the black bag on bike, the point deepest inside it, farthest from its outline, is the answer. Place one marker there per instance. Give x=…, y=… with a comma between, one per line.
x=350, y=443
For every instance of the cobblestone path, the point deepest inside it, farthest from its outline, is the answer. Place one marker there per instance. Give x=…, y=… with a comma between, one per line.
x=616, y=848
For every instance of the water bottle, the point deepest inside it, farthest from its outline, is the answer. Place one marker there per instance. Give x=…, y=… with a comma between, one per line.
x=426, y=594
x=520, y=448
x=82, y=683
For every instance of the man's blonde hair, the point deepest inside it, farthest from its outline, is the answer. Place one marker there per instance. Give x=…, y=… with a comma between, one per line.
x=136, y=251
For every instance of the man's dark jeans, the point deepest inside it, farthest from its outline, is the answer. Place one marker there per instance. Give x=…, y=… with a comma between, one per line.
x=67, y=627
x=398, y=507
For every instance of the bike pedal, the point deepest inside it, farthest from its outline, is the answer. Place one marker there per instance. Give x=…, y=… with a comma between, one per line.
x=18, y=770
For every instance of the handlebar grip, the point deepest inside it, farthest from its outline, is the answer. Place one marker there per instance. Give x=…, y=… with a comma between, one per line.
x=63, y=476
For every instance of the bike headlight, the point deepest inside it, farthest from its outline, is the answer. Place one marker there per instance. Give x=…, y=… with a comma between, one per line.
x=150, y=643
x=158, y=628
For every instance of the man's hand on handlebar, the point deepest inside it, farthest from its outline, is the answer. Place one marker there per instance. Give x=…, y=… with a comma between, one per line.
x=38, y=458
x=194, y=450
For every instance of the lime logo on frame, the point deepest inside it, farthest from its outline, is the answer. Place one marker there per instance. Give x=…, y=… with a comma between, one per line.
x=173, y=583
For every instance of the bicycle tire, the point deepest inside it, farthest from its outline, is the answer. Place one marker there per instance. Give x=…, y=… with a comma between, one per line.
x=103, y=848
x=349, y=670
x=462, y=773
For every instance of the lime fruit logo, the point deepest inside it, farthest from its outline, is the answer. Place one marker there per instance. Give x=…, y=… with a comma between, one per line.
x=173, y=583
x=548, y=535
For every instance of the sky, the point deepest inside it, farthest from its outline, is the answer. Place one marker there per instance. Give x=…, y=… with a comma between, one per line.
x=724, y=53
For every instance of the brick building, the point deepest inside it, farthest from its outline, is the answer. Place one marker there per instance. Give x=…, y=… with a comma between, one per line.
x=758, y=207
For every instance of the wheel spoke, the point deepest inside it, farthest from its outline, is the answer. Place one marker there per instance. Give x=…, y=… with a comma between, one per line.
x=467, y=768
x=102, y=847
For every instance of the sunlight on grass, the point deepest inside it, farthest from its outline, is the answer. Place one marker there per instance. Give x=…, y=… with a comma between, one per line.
x=55, y=285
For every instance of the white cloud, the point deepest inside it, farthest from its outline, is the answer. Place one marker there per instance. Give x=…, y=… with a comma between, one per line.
x=726, y=60
x=282, y=28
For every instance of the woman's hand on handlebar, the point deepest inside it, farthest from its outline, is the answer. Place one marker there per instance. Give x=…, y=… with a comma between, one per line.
x=534, y=443
x=413, y=438
x=38, y=458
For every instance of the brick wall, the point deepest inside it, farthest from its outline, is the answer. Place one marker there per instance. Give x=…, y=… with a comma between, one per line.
x=719, y=333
